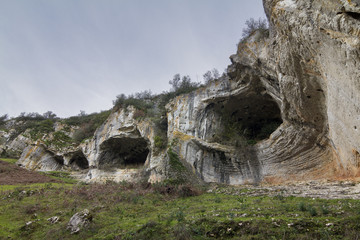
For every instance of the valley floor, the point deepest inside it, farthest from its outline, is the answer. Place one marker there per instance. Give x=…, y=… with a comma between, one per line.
x=312, y=210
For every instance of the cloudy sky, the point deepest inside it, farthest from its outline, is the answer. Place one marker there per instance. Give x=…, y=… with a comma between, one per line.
x=72, y=55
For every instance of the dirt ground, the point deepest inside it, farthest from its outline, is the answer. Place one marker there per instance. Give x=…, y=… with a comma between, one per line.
x=10, y=174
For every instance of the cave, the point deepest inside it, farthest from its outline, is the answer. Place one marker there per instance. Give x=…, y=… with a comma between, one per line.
x=125, y=153
x=78, y=161
x=253, y=117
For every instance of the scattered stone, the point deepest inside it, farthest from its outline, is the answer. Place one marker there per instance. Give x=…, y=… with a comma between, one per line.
x=79, y=220
x=54, y=219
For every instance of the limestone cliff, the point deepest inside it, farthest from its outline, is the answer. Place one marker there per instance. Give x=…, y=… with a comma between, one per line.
x=288, y=110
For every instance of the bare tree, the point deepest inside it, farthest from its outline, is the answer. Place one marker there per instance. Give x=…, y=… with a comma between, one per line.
x=49, y=115
x=253, y=25
x=211, y=75
x=175, y=82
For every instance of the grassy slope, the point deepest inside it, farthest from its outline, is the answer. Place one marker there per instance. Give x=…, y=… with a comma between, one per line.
x=135, y=211
x=9, y=160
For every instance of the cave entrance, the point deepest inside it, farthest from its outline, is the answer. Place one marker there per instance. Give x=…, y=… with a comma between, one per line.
x=78, y=161
x=130, y=153
x=250, y=118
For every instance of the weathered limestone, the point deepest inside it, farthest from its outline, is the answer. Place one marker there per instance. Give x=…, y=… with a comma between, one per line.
x=38, y=157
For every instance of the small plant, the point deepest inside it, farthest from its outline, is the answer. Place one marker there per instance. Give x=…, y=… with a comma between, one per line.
x=312, y=211
x=279, y=197
x=302, y=206
x=180, y=215
x=159, y=142
x=177, y=169
x=217, y=200
x=325, y=210
x=241, y=200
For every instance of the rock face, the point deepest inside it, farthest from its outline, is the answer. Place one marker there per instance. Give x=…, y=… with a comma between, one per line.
x=314, y=47
x=288, y=110
x=12, y=147
x=79, y=221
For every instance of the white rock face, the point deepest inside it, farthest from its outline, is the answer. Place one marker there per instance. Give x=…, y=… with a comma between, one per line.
x=13, y=147
x=37, y=157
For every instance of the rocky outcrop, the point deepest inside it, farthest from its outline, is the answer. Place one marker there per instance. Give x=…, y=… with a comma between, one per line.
x=288, y=110
x=308, y=69
x=123, y=148
x=13, y=147
x=315, y=48
x=79, y=221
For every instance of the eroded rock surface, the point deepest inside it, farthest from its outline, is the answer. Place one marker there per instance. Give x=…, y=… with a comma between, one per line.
x=79, y=221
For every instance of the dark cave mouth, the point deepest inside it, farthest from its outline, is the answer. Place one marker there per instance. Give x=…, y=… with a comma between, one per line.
x=79, y=162
x=124, y=153
x=251, y=119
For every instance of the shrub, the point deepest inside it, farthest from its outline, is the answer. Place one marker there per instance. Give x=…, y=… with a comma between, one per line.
x=61, y=139
x=141, y=101
x=182, y=85
x=40, y=128
x=312, y=211
x=87, y=124
x=253, y=25
x=302, y=206
x=159, y=142
x=3, y=120
x=211, y=76
x=139, y=114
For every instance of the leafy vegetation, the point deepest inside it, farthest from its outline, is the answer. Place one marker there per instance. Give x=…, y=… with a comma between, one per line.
x=10, y=153
x=3, y=119
x=87, y=123
x=40, y=128
x=159, y=142
x=178, y=173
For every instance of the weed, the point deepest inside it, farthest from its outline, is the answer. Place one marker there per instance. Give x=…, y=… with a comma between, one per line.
x=279, y=197
x=325, y=210
x=180, y=215
x=312, y=211
x=240, y=199
x=302, y=206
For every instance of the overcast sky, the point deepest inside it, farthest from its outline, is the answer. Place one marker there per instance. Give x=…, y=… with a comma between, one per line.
x=72, y=55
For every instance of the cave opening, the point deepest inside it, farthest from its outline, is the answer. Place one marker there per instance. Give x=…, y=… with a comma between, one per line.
x=125, y=153
x=78, y=161
x=58, y=159
x=249, y=118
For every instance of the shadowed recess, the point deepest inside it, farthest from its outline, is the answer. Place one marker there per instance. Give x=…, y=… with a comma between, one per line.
x=78, y=161
x=123, y=153
x=253, y=117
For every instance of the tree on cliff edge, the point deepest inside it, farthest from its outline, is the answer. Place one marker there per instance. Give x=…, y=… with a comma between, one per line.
x=253, y=25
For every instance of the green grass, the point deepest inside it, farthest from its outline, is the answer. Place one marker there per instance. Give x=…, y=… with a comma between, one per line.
x=9, y=160
x=59, y=175
x=130, y=211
